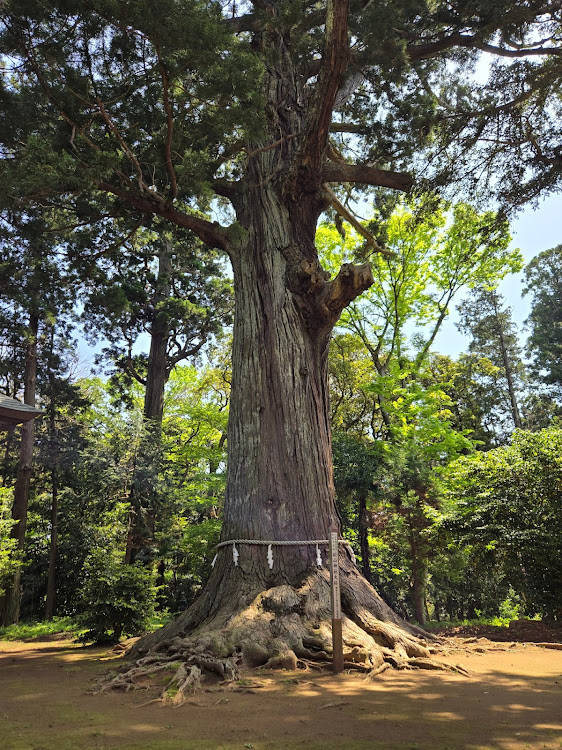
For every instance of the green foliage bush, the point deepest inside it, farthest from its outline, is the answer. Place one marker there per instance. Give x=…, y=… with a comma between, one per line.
x=8, y=553
x=506, y=508
x=117, y=599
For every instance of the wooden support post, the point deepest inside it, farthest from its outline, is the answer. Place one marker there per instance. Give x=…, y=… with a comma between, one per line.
x=337, y=640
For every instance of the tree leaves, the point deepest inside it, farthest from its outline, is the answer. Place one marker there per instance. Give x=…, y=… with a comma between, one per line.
x=506, y=505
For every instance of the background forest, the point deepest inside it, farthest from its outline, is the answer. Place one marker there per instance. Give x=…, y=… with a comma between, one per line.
x=448, y=471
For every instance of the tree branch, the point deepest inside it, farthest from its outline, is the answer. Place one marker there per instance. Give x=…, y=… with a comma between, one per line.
x=431, y=49
x=169, y=123
x=342, y=172
x=211, y=233
x=348, y=216
x=128, y=366
x=132, y=158
x=346, y=127
x=350, y=282
x=309, y=157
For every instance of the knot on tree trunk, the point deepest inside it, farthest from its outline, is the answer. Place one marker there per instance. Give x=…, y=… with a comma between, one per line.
x=325, y=300
x=312, y=276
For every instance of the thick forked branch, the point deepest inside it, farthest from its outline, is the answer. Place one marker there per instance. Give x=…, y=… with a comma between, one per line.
x=342, y=172
x=325, y=300
x=310, y=155
x=350, y=282
x=210, y=233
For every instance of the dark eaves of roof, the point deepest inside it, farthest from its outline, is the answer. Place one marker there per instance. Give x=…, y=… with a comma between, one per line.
x=13, y=412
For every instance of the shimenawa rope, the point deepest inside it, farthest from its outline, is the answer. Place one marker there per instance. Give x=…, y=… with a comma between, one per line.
x=286, y=543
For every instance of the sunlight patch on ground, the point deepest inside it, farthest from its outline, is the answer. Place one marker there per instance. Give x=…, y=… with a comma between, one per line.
x=443, y=716
x=144, y=728
x=514, y=707
x=385, y=715
x=552, y=727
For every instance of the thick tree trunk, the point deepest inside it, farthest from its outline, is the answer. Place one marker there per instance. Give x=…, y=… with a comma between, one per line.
x=280, y=486
x=280, y=463
x=11, y=599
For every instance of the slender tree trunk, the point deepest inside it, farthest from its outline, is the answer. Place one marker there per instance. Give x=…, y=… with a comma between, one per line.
x=157, y=373
x=509, y=377
x=53, y=548
x=364, y=537
x=7, y=450
x=11, y=604
x=53, y=450
x=142, y=519
x=419, y=580
x=130, y=534
x=516, y=416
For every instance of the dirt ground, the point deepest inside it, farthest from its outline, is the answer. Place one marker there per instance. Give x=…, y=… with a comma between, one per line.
x=511, y=701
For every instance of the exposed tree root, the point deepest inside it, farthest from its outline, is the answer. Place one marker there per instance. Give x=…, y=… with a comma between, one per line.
x=282, y=628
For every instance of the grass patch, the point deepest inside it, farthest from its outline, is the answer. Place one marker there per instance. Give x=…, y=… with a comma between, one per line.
x=502, y=622
x=25, y=631
x=28, y=631
x=498, y=622
x=159, y=619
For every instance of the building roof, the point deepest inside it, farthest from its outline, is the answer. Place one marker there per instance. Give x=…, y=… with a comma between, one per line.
x=13, y=412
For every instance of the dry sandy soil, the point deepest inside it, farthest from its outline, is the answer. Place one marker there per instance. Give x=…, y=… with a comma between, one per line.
x=511, y=701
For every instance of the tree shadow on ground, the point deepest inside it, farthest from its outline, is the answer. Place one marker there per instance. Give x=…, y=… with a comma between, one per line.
x=513, y=701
